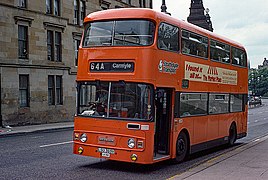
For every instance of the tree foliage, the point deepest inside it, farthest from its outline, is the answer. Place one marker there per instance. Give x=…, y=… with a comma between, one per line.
x=258, y=81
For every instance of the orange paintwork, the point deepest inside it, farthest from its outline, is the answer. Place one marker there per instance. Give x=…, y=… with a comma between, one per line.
x=118, y=132
x=146, y=59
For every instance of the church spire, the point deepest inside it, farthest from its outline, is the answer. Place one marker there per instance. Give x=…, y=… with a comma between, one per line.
x=198, y=17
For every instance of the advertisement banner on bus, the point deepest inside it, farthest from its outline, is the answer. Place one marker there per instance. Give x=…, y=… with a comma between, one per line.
x=211, y=74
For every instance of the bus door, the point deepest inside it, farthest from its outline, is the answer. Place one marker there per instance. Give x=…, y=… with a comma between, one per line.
x=163, y=107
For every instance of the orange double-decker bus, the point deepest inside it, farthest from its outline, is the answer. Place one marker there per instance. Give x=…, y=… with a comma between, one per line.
x=151, y=88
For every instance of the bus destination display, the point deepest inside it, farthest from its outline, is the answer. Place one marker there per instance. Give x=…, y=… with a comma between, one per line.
x=111, y=66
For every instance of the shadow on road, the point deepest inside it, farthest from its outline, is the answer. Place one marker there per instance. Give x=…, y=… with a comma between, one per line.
x=192, y=161
x=127, y=167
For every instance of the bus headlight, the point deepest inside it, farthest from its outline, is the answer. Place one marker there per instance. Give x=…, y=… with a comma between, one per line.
x=131, y=143
x=83, y=137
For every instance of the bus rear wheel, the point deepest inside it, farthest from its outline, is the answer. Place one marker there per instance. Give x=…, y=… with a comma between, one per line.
x=181, y=147
x=232, y=135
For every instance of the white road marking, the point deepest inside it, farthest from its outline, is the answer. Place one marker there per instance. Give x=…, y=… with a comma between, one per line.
x=35, y=137
x=56, y=144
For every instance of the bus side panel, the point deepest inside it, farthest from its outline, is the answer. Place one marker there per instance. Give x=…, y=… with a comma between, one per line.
x=223, y=125
x=213, y=127
x=181, y=124
x=200, y=129
x=241, y=122
x=245, y=120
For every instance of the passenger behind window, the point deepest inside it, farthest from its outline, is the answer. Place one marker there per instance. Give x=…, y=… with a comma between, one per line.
x=200, y=50
x=235, y=61
x=193, y=49
x=226, y=59
x=198, y=109
x=162, y=44
x=185, y=49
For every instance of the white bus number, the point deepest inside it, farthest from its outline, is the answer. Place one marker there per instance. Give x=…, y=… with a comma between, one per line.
x=97, y=66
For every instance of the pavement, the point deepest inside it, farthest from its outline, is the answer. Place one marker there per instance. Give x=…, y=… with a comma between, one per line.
x=20, y=130
x=247, y=162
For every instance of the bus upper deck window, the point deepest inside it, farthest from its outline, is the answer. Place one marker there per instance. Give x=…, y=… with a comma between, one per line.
x=168, y=37
x=119, y=33
x=239, y=57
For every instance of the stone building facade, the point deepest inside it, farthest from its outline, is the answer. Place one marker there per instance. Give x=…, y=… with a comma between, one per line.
x=38, y=56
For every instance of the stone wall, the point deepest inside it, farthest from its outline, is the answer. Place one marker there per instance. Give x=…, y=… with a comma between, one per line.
x=37, y=66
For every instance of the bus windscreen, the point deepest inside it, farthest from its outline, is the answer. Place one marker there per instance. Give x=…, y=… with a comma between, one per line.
x=119, y=33
x=118, y=100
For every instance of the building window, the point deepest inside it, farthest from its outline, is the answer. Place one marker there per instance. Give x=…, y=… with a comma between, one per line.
x=57, y=7
x=79, y=12
x=55, y=94
x=23, y=41
x=104, y=5
x=24, y=90
x=76, y=48
x=48, y=6
x=50, y=45
x=53, y=7
x=76, y=12
x=58, y=46
x=51, y=92
x=54, y=46
x=142, y=3
x=22, y=3
x=58, y=89
x=83, y=12
x=127, y=1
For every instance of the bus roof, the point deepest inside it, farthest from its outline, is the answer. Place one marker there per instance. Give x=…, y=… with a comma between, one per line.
x=145, y=13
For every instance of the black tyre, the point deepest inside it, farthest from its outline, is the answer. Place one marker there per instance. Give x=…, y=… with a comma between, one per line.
x=232, y=135
x=182, y=147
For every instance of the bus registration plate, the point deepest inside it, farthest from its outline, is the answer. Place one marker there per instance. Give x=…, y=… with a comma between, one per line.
x=106, y=152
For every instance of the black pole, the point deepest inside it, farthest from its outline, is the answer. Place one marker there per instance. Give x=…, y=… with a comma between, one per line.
x=164, y=7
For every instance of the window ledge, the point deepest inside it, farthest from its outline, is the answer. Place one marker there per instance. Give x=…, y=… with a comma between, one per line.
x=53, y=25
x=24, y=19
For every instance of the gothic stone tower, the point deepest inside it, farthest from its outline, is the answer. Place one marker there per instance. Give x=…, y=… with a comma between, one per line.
x=198, y=17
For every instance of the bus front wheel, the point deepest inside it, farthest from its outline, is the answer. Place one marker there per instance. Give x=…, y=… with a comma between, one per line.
x=182, y=147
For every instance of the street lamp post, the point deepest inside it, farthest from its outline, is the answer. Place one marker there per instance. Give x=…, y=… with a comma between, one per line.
x=164, y=7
